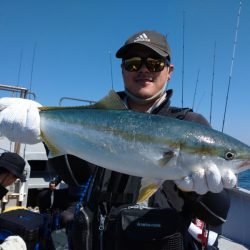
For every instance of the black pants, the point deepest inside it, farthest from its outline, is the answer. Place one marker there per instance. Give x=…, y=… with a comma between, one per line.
x=62, y=202
x=59, y=203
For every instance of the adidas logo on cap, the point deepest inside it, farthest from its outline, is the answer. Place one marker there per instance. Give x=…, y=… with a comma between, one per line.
x=147, y=38
x=142, y=38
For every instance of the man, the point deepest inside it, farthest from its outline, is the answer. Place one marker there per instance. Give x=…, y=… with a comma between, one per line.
x=146, y=69
x=11, y=168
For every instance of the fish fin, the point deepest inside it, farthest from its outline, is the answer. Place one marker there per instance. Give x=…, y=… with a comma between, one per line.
x=53, y=151
x=148, y=187
x=166, y=157
x=111, y=101
x=45, y=108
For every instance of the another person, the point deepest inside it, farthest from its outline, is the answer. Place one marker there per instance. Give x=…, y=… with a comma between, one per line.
x=64, y=202
x=60, y=204
x=69, y=169
x=146, y=68
x=11, y=168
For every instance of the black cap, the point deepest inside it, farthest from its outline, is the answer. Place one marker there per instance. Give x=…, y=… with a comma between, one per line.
x=148, y=38
x=14, y=163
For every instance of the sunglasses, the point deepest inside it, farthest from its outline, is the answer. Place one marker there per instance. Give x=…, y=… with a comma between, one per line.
x=133, y=64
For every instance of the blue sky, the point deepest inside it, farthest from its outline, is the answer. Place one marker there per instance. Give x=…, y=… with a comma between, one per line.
x=74, y=40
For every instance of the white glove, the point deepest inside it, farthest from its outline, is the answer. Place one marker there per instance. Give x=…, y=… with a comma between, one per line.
x=196, y=232
x=20, y=120
x=209, y=179
x=13, y=242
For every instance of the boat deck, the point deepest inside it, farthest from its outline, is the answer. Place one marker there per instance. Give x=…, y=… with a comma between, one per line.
x=235, y=231
x=227, y=244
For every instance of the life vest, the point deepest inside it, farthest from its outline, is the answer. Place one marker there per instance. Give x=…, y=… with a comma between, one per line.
x=115, y=189
x=113, y=192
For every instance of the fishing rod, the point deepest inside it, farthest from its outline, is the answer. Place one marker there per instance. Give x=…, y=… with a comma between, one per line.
x=232, y=64
x=195, y=88
x=201, y=98
x=212, y=88
x=19, y=69
x=183, y=50
x=32, y=66
x=19, y=72
x=111, y=71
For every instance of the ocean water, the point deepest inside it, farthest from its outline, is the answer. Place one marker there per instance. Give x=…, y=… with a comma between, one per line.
x=244, y=179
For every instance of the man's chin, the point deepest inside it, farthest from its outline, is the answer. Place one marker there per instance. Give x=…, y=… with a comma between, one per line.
x=144, y=95
x=142, y=92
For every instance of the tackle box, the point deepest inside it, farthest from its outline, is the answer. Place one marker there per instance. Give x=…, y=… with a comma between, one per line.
x=22, y=222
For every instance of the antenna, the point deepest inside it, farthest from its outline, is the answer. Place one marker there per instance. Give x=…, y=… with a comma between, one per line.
x=195, y=88
x=183, y=33
x=201, y=99
x=111, y=71
x=32, y=66
x=19, y=72
x=19, y=69
x=232, y=64
x=212, y=88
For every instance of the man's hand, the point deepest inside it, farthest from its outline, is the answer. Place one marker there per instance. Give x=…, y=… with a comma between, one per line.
x=20, y=120
x=210, y=179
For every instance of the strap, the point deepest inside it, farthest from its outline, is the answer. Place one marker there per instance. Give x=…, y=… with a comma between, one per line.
x=83, y=194
x=114, y=188
x=113, y=198
x=179, y=113
x=70, y=171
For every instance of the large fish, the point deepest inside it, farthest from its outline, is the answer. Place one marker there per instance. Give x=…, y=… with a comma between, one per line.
x=139, y=144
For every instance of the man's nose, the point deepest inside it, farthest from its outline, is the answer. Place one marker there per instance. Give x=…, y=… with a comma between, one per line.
x=143, y=68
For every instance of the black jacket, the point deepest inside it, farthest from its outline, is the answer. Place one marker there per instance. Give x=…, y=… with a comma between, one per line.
x=3, y=191
x=112, y=190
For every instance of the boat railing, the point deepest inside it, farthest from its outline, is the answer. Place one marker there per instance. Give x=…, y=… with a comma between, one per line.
x=64, y=98
x=24, y=92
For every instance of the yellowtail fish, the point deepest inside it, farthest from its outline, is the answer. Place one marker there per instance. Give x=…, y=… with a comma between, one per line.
x=139, y=144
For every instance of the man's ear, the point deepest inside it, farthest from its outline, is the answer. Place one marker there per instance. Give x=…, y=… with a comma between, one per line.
x=170, y=71
x=122, y=67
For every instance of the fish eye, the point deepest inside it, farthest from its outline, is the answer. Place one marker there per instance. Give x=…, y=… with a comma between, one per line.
x=230, y=155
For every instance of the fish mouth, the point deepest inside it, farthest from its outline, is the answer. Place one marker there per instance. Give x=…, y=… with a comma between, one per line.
x=244, y=164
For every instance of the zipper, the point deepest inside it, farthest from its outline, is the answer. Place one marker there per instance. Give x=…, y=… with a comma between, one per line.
x=101, y=229
x=88, y=234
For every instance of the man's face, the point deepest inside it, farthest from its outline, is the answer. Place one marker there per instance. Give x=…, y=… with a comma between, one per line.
x=143, y=83
x=7, y=178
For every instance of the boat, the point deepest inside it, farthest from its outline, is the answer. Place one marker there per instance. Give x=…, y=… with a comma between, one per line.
x=235, y=232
